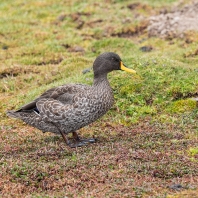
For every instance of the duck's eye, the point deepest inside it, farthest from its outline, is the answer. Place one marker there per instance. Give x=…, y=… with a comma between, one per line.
x=114, y=59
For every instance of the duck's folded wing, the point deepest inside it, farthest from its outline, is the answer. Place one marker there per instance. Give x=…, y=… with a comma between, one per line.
x=32, y=104
x=63, y=93
x=53, y=110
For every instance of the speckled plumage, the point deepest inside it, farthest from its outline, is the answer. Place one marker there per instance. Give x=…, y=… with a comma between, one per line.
x=70, y=107
x=73, y=110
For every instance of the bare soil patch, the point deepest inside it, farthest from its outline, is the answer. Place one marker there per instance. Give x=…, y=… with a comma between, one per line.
x=15, y=71
x=175, y=23
x=132, y=30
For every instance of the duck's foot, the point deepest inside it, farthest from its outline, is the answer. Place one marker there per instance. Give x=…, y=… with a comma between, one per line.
x=89, y=140
x=83, y=141
x=77, y=144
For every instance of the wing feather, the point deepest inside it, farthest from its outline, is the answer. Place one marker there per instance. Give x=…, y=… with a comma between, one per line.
x=52, y=110
x=63, y=93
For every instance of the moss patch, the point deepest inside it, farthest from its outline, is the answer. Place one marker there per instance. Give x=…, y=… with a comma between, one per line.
x=182, y=106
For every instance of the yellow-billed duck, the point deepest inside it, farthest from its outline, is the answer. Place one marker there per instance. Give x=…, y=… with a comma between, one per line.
x=67, y=108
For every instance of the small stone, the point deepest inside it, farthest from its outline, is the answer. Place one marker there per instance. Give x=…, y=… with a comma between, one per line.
x=4, y=47
x=61, y=17
x=86, y=70
x=196, y=100
x=146, y=48
x=176, y=187
x=76, y=49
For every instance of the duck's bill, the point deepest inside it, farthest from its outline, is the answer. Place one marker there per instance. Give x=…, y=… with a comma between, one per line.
x=123, y=67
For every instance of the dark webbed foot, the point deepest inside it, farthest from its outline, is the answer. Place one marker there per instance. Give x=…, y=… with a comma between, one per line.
x=89, y=140
x=77, y=144
x=83, y=141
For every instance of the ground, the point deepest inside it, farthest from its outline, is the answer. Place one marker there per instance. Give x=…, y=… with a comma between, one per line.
x=147, y=143
x=174, y=23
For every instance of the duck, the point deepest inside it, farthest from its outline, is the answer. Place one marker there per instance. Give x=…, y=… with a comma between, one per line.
x=70, y=107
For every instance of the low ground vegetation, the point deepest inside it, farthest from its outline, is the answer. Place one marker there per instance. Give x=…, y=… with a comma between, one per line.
x=147, y=143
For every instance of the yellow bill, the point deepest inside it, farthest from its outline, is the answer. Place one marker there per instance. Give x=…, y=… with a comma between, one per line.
x=123, y=67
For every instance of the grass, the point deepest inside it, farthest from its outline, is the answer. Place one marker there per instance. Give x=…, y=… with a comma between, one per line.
x=146, y=143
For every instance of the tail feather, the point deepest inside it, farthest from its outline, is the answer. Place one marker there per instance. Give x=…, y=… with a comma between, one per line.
x=33, y=118
x=13, y=114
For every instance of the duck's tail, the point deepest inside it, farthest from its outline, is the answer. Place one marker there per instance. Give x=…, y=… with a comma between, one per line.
x=33, y=118
x=13, y=114
x=19, y=113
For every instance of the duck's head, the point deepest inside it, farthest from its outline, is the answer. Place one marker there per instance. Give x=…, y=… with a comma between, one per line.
x=108, y=62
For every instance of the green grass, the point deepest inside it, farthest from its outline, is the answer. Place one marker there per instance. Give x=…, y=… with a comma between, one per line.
x=146, y=142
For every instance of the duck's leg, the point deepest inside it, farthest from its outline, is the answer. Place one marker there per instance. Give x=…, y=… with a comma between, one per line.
x=72, y=145
x=77, y=138
x=64, y=137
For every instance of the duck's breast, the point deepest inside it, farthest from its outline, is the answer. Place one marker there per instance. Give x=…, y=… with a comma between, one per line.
x=91, y=106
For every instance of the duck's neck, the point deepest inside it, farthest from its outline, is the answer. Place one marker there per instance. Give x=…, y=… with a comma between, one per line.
x=100, y=79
